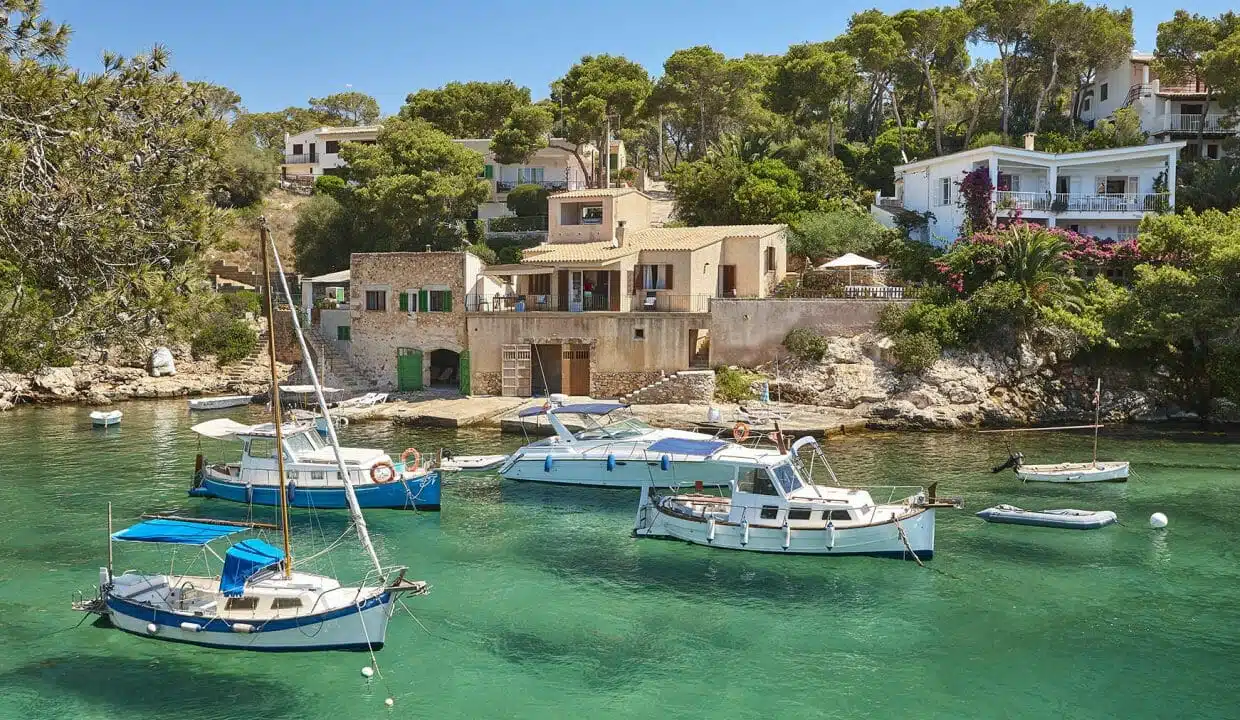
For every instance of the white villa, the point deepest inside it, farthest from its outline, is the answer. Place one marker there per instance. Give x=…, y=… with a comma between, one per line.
x=554, y=167
x=1103, y=193
x=1169, y=109
x=316, y=152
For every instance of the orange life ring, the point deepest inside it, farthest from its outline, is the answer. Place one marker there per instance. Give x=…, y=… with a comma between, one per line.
x=417, y=458
x=740, y=431
x=391, y=472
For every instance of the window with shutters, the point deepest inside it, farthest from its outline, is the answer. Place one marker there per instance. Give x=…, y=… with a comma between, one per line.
x=654, y=277
x=439, y=301
x=343, y=333
x=299, y=149
x=1103, y=92
x=376, y=300
x=331, y=146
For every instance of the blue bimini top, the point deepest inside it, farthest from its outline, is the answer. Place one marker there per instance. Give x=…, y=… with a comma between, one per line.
x=177, y=532
x=243, y=561
x=687, y=446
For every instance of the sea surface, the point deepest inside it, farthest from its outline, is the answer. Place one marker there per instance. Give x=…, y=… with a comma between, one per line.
x=543, y=606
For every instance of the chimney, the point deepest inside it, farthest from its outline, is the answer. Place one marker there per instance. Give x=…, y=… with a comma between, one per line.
x=1029, y=138
x=620, y=234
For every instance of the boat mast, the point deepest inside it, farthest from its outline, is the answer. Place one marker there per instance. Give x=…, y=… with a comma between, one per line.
x=1097, y=416
x=355, y=510
x=275, y=399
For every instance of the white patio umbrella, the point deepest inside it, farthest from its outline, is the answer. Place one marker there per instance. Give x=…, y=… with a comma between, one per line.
x=850, y=261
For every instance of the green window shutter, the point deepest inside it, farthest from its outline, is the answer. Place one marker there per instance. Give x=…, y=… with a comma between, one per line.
x=404, y=302
x=447, y=301
x=340, y=294
x=342, y=332
x=424, y=302
x=488, y=172
x=463, y=373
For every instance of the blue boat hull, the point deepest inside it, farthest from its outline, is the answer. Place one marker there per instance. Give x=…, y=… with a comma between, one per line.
x=420, y=493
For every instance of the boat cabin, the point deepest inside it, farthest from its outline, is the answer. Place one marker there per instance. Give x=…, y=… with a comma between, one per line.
x=597, y=421
x=309, y=461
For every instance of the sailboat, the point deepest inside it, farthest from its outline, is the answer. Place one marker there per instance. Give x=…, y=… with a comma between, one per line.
x=258, y=600
x=1078, y=472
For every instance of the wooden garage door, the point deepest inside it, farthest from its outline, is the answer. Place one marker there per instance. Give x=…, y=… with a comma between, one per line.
x=576, y=369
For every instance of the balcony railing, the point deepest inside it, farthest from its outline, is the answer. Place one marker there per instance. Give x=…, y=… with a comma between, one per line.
x=504, y=186
x=1067, y=202
x=1215, y=123
x=593, y=302
x=301, y=159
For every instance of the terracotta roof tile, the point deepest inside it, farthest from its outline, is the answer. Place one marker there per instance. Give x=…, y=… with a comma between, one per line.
x=652, y=239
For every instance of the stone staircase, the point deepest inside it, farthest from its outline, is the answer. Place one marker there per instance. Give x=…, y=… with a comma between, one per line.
x=335, y=367
x=684, y=386
x=662, y=203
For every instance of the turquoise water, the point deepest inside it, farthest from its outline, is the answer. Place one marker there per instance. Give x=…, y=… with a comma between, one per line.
x=543, y=606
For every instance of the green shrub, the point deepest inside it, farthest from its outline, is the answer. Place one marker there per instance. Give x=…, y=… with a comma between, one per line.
x=518, y=223
x=509, y=255
x=331, y=185
x=227, y=339
x=915, y=351
x=806, y=345
x=484, y=253
x=732, y=385
x=237, y=304
x=528, y=200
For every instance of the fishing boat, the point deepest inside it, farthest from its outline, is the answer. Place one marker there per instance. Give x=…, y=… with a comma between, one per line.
x=1068, y=472
x=1067, y=519
x=220, y=403
x=105, y=418
x=257, y=600
x=309, y=469
x=613, y=449
x=776, y=507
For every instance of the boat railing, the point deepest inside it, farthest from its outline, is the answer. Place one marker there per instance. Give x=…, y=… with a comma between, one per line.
x=895, y=492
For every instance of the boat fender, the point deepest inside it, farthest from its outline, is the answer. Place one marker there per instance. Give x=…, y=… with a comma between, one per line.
x=292, y=491
x=367, y=671
x=242, y=627
x=745, y=532
x=787, y=534
x=1158, y=521
x=665, y=463
x=710, y=530
x=611, y=462
x=417, y=459
x=382, y=472
x=547, y=464
x=740, y=431
x=190, y=627
x=830, y=535
x=249, y=494
x=152, y=628
x=199, y=464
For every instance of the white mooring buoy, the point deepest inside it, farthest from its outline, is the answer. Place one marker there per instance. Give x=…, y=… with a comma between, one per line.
x=1158, y=520
x=368, y=671
x=152, y=628
x=389, y=702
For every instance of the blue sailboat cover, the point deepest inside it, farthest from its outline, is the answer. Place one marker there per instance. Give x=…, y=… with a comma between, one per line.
x=177, y=532
x=596, y=408
x=687, y=446
x=243, y=560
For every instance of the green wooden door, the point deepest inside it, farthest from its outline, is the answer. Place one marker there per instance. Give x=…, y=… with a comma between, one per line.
x=408, y=369
x=463, y=372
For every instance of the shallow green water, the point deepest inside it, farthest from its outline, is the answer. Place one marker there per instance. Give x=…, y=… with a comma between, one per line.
x=542, y=606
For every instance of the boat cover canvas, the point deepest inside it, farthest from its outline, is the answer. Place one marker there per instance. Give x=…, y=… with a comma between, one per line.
x=598, y=408
x=687, y=446
x=176, y=532
x=245, y=559
x=225, y=429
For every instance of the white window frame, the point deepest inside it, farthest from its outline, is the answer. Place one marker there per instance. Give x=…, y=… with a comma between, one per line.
x=384, y=289
x=944, y=196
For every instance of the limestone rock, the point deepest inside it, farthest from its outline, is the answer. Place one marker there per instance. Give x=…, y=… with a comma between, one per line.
x=162, y=362
x=59, y=382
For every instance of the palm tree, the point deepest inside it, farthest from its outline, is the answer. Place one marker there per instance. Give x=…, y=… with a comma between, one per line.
x=1035, y=260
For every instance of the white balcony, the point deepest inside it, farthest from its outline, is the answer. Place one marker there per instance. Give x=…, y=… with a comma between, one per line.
x=1076, y=203
x=1212, y=123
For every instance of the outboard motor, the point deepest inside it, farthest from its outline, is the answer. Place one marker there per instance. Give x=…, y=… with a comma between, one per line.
x=1013, y=461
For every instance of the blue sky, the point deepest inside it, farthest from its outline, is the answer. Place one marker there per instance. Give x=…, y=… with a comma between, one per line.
x=277, y=53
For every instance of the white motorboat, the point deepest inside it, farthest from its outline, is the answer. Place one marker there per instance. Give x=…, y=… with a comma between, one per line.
x=220, y=403
x=105, y=418
x=1066, y=519
x=776, y=507
x=614, y=449
x=257, y=600
x=1068, y=472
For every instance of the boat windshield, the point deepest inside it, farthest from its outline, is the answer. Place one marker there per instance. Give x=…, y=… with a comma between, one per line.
x=300, y=443
x=625, y=429
x=786, y=477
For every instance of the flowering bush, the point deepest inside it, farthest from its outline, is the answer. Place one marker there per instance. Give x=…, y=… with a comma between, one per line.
x=975, y=190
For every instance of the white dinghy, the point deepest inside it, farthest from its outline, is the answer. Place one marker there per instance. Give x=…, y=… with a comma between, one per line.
x=1067, y=519
x=775, y=507
x=1069, y=472
x=106, y=418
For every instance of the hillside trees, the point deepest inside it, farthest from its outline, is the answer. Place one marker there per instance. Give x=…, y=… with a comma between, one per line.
x=599, y=92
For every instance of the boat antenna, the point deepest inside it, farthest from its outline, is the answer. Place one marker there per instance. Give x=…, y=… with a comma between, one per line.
x=355, y=510
x=1097, y=417
x=275, y=399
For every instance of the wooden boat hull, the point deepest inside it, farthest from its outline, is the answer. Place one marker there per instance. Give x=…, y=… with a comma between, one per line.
x=412, y=493
x=1074, y=472
x=356, y=627
x=880, y=540
x=1062, y=519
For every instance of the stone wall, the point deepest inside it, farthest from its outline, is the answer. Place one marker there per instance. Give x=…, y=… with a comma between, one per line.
x=487, y=383
x=751, y=332
x=688, y=387
x=619, y=384
x=377, y=335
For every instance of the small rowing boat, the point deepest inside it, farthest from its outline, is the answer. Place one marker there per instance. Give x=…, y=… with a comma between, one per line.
x=1066, y=519
x=221, y=402
x=101, y=418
